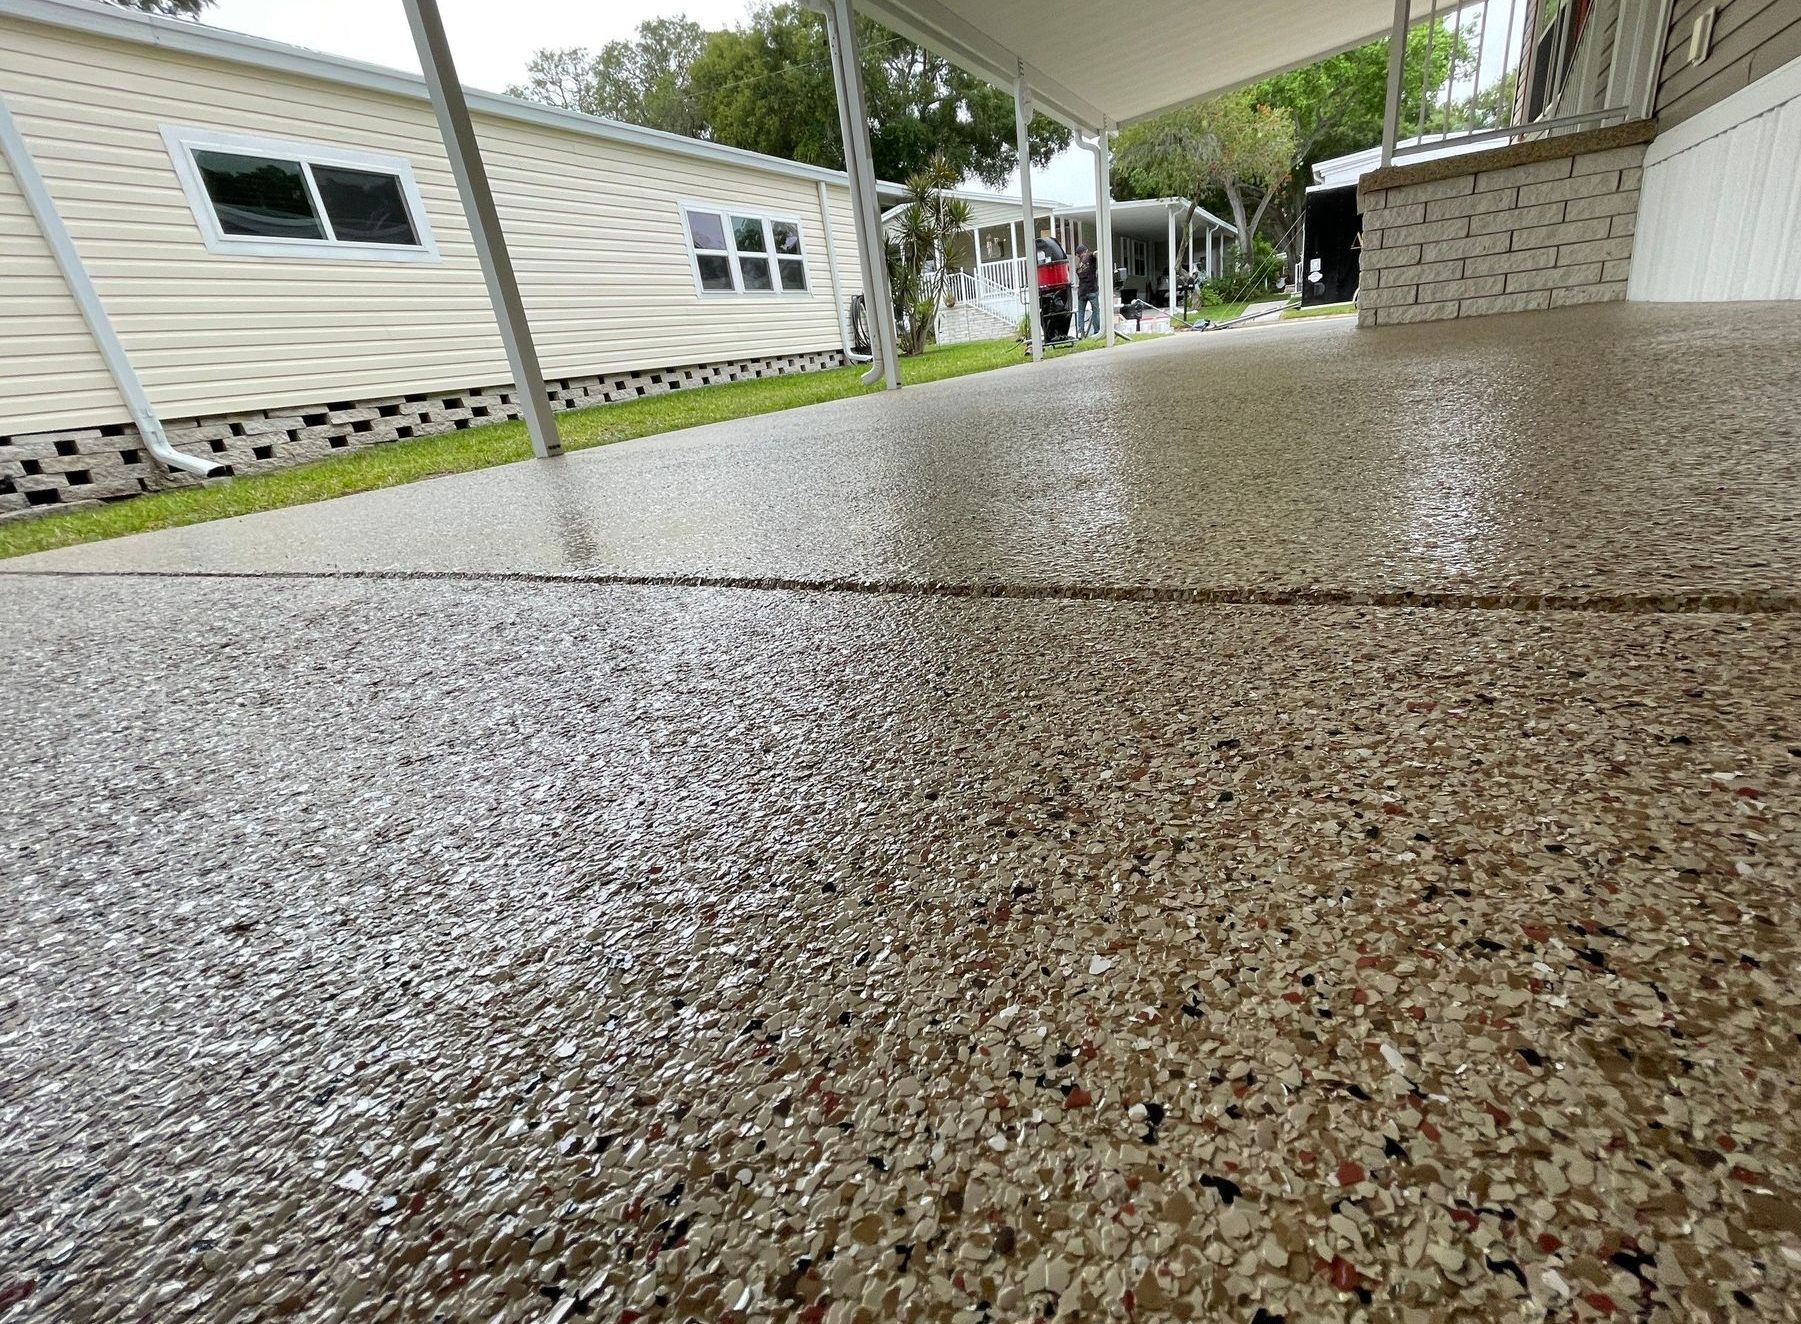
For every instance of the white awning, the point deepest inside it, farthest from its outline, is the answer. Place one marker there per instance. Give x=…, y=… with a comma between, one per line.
x=1147, y=218
x=1085, y=60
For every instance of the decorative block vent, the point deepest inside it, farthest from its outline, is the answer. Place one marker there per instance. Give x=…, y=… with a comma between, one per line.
x=45, y=472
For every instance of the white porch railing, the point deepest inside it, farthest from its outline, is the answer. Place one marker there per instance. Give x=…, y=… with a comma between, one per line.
x=963, y=289
x=1007, y=274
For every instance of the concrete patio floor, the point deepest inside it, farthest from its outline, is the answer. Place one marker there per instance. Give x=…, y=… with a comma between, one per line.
x=386, y=936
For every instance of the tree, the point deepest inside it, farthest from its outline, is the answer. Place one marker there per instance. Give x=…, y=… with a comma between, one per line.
x=767, y=86
x=916, y=244
x=170, y=8
x=1230, y=143
x=641, y=80
x=1337, y=103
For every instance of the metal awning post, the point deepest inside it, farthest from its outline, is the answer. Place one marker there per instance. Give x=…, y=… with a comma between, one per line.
x=484, y=223
x=1104, y=158
x=859, y=170
x=1022, y=118
x=1397, y=59
x=1170, y=216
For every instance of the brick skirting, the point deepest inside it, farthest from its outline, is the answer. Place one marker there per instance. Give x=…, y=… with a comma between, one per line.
x=1538, y=225
x=42, y=473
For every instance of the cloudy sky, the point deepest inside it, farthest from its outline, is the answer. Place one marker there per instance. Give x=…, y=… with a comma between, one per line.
x=493, y=39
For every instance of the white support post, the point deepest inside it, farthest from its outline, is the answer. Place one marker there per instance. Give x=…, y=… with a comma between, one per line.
x=853, y=125
x=484, y=223
x=1022, y=117
x=1171, y=216
x=1104, y=215
x=1397, y=59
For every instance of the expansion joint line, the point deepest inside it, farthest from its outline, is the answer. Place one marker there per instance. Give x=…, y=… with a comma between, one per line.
x=1749, y=602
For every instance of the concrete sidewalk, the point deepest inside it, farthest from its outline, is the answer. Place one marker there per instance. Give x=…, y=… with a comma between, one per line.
x=438, y=944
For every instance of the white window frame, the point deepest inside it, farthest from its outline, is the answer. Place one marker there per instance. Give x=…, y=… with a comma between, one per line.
x=183, y=140
x=725, y=211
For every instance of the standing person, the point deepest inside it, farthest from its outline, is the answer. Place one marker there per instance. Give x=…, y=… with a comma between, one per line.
x=1088, y=293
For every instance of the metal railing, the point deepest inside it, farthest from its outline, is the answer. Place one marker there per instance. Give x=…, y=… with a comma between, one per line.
x=1472, y=71
x=1008, y=274
x=962, y=288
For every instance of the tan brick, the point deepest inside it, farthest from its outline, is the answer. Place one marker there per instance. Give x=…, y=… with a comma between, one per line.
x=1429, y=271
x=1392, y=297
x=1535, y=172
x=1469, y=288
x=351, y=415
x=259, y=427
x=1507, y=303
x=1578, y=186
x=1365, y=317
x=1431, y=190
x=1617, y=158
x=1472, y=204
x=1419, y=312
x=1389, y=217
x=31, y=448
x=1374, y=200
x=69, y=464
x=1619, y=269
x=1595, y=250
x=107, y=489
x=198, y=436
x=1406, y=256
x=1477, y=245
x=1625, y=225
x=1554, y=278
x=1605, y=292
x=1632, y=179
x=1570, y=232
x=1533, y=259
x=1602, y=204
x=1454, y=228
x=1548, y=213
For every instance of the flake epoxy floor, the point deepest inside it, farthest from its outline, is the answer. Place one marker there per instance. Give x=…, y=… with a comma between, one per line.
x=424, y=949
x=570, y=952
x=1618, y=450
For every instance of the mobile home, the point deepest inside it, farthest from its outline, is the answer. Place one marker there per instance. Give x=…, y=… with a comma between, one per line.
x=277, y=240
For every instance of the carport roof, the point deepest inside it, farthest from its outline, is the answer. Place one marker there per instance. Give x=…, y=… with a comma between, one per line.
x=1147, y=218
x=1087, y=60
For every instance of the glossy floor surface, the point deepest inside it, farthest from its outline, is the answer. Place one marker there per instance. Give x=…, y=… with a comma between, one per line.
x=1619, y=449
x=415, y=948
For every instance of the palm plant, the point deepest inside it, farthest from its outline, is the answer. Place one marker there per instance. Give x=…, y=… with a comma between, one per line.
x=918, y=239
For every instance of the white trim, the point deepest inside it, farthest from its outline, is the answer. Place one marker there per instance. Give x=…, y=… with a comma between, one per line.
x=1776, y=88
x=183, y=140
x=111, y=21
x=726, y=211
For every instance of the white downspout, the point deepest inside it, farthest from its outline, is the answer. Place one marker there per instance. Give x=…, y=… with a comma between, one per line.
x=87, y=300
x=831, y=263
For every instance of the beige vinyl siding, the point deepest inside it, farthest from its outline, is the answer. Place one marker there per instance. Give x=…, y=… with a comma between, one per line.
x=594, y=225
x=50, y=371
x=1751, y=38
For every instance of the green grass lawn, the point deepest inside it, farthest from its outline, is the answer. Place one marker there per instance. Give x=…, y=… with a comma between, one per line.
x=1324, y=310
x=477, y=448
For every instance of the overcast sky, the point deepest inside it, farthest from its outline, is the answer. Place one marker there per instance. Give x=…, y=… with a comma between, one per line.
x=493, y=39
